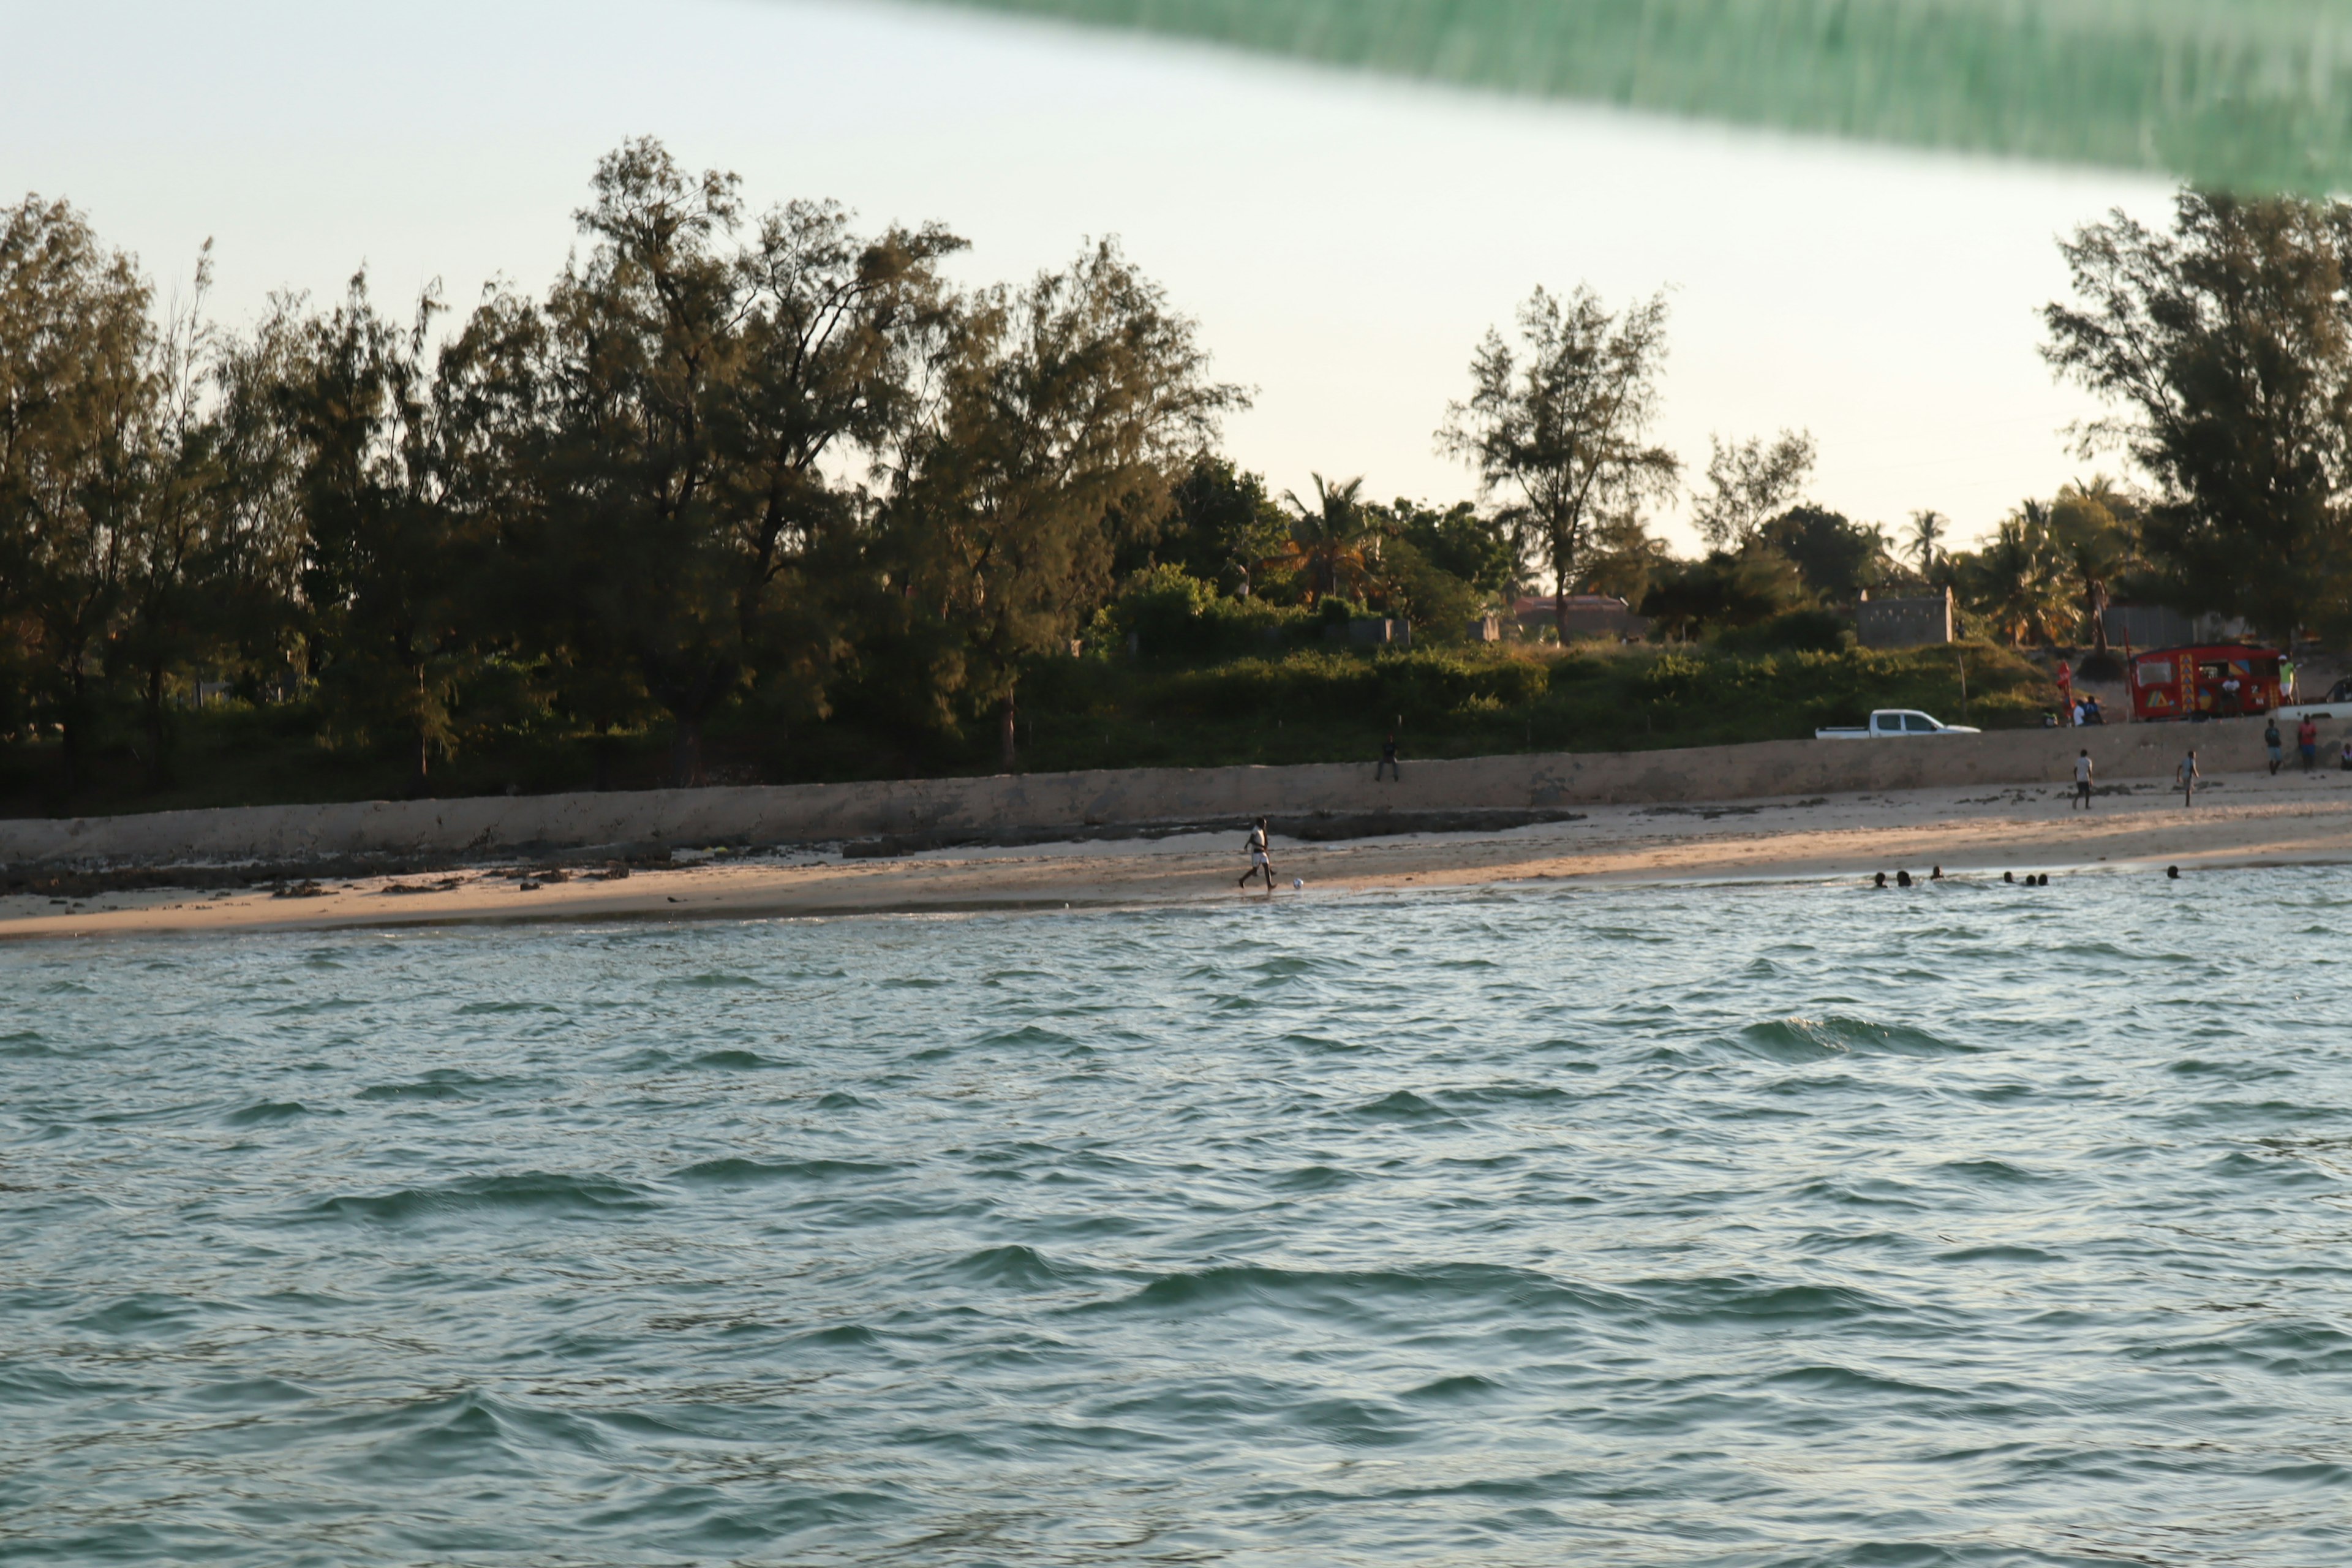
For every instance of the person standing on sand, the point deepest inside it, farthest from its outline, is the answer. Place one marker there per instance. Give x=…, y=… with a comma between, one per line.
x=1387, y=763
x=2271, y=743
x=2306, y=740
x=2189, y=776
x=1260, y=860
x=2082, y=781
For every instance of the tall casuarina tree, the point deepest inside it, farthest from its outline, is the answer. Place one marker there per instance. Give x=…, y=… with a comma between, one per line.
x=2226, y=347
x=1558, y=426
x=1069, y=410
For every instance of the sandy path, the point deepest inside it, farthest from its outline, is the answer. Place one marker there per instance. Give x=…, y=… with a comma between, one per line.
x=2242, y=820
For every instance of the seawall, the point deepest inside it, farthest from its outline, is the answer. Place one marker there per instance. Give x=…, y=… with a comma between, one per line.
x=445, y=830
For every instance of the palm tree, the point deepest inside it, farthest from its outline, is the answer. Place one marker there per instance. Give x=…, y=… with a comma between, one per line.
x=1328, y=540
x=1928, y=531
x=2086, y=522
x=2019, y=581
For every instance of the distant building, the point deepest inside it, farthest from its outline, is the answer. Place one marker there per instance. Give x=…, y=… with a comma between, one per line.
x=1589, y=615
x=1903, y=623
x=2159, y=626
x=1371, y=631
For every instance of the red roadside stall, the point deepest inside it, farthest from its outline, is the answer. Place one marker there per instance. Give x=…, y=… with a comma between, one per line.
x=2188, y=682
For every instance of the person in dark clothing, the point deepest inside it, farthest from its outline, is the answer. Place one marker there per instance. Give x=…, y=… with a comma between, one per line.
x=2271, y=743
x=1387, y=763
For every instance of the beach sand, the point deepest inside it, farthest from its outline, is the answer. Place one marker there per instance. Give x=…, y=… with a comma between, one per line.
x=2242, y=820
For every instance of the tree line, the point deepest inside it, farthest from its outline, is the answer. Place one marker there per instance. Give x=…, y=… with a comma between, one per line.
x=2221, y=345
x=730, y=460
x=723, y=454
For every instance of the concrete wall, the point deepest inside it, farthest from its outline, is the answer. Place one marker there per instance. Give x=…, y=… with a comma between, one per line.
x=2148, y=625
x=822, y=812
x=1903, y=623
x=1589, y=615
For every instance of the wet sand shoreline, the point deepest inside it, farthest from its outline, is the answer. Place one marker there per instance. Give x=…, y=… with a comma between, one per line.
x=2239, y=820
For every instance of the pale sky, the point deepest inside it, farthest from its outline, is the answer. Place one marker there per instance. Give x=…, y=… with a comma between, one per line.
x=1343, y=240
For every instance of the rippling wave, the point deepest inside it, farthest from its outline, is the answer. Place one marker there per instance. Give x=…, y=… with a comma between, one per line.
x=1730, y=1226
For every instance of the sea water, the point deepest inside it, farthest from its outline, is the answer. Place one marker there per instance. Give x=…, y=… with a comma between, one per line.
x=1786, y=1225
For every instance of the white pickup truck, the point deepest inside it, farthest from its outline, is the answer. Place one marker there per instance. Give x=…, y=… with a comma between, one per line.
x=2336, y=704
x=1893, y=722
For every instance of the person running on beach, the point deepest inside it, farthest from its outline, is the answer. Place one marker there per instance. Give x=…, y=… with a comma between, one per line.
x=2189, y=776
x=1260, y=860
x=2081, y=781
x=2306, y=740
x=2271, y=743
x=1387, y=763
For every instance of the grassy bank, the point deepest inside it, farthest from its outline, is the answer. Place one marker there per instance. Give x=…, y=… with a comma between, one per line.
x=1104, y=712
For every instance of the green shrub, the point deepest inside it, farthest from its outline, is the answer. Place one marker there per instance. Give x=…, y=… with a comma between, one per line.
x=1808, y=631
x=1271, y=704
x=1174, y=616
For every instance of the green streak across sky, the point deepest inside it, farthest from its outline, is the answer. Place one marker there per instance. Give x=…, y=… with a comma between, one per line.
x=2254, y=94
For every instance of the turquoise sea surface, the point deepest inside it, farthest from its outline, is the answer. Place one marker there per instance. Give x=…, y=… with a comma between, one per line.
x=1788, y=1225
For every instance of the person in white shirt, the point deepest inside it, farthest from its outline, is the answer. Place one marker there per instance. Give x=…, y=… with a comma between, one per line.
x=2081, y=781
x=1261, y=862
x=2189, y=776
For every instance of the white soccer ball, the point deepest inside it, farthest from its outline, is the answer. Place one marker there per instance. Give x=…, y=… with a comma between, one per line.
x=1297, y=882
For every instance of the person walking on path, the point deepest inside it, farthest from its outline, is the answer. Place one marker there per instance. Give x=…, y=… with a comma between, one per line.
x=2189, y=777
x=2081, y=781
x=1260, y=860
x=2271, y=740
x=2286, y=680
x=2306, y=740
x=1387, y=763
